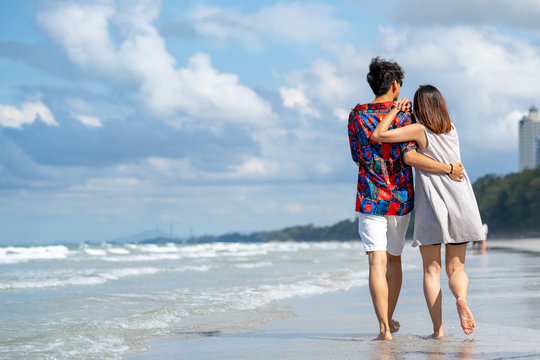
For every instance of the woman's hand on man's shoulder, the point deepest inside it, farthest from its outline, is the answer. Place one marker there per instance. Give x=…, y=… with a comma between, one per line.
x=404, y=105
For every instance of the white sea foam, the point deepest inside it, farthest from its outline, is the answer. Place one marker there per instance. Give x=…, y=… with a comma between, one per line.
x=118, y=251
x=89, y=277
x=255, y=265
x=14, y=254
x=142, y=258
x=81, y=278
x=95, y=252
x=320, y=284
x=153, y=248
x=157, y=252
x=80, y=346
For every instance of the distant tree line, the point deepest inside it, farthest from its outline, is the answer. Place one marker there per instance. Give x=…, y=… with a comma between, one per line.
x=510, y=204
x=342, y=231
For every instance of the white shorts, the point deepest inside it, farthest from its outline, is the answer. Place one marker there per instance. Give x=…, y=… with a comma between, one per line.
x=383, y=232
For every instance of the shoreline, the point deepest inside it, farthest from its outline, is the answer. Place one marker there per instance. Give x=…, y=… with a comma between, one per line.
x=526, y=244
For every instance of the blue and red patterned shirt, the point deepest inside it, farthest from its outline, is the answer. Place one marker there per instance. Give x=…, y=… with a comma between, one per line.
x=385, y=181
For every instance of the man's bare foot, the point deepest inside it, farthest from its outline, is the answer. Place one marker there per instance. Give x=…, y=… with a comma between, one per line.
x=465, y=315
x=439, y=334
x=394, y=326
x=384, y=336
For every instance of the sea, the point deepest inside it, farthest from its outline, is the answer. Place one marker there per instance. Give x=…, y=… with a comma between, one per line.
x=248, y=300
x=106, y=301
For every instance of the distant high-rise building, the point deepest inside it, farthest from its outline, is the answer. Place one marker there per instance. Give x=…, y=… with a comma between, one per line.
x=529, y=140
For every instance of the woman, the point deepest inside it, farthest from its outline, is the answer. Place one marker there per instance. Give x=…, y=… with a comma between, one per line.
x=446, y=210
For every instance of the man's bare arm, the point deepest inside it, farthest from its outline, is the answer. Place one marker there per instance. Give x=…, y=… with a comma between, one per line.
x=425, y=163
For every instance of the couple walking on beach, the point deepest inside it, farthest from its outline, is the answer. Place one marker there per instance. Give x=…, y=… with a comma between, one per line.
x=385, y=143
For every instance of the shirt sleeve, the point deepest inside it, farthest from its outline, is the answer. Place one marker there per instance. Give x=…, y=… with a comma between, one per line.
x=353, y=137
x=405, y=147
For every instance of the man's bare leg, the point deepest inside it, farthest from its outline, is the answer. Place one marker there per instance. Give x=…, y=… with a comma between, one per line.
x=394, y=277
x=458, y=281
x=378, y=288
x=431, y=259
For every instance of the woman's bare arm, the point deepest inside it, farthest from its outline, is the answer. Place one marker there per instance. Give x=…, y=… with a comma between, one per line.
x=425, y=163
x=413, y=132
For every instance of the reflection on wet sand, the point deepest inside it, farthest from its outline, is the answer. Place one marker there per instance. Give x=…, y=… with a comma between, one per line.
x=416, y=347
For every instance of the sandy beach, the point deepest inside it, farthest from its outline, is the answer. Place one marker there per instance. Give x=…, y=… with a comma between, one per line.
x=504, y=296
x=530, y=244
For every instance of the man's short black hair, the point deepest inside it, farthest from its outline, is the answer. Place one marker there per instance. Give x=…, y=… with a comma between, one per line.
x=382, y=74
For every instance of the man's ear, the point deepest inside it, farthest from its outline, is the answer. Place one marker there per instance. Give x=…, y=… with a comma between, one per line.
x=394, y=89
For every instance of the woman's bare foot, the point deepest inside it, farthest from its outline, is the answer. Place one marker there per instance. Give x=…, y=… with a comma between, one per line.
x=384, y=336
x=394, y=326
x=465, y=315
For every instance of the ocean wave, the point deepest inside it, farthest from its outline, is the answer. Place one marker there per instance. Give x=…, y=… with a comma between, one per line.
x=154, y=248
x=319, y=284
x=16, y=254
x=86, y=277
x=158, y=252
x=118, y=251
x=255, y=265
x=95, y=252
x=183, y=307
x=141, y=258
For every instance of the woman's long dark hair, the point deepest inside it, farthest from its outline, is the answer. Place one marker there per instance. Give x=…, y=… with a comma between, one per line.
x=430, y=109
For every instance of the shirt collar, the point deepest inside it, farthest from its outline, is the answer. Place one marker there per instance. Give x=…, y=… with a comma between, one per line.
x=374, y=106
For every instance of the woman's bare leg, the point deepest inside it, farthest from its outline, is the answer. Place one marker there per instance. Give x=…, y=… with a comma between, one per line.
x=458, y=282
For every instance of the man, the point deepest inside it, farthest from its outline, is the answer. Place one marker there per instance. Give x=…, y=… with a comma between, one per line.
x=385, y=189
x=481, y=243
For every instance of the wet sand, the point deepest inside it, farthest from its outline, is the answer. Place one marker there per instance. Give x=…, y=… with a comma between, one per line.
x=530, y=244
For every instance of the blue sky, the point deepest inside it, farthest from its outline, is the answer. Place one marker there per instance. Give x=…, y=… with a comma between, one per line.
x=208, y=117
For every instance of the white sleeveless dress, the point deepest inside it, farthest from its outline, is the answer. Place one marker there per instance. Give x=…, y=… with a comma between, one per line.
x=445, y=210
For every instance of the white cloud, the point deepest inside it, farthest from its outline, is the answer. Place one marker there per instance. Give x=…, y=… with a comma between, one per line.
x=159, y=170
x=256, y=168
x=322, y=81
x=294, y=208
x=139, y=56
x=88, y=121
x=283, y=22
x=502, y=132
x=83, y=29
x=322, y=86
x=12, y=117
x=342, y=114
x=294, y=98
x=390, y=39
x=252, y=166
x=108, y=185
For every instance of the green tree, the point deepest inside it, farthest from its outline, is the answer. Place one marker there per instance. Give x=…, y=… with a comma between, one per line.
x=510, y=204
